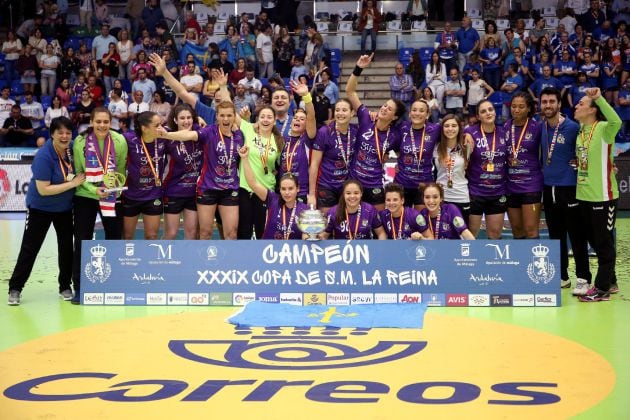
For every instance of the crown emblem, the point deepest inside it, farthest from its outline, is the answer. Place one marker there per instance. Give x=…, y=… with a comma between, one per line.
x=98, y=251
x=540, y=251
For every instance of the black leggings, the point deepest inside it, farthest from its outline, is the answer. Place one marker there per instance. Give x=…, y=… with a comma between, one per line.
x=252, y=215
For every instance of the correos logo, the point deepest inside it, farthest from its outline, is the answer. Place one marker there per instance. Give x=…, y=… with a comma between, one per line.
x=193, y=361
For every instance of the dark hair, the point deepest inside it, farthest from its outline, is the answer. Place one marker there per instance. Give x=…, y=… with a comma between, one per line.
x=161, y=94
x=434, y=185
x=551, y=91
x=400, y=109
x=529, y=101
x=481, y=102
x=513, y=67
x=142, y=119
x=290, y=177
x=117, y=91
x=340, y=215
x=281, y=89
x=172, y=116
x=488, y=23
x=53, y=101
x=328, y=72
x=59, y=123
x=249, y=68
x=441, y=146
x=275, y=131
x=346, y=100
x=393, y=187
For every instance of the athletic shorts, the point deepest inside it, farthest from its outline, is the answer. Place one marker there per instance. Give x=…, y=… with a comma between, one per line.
x=175, y=205
x=413, y=197
x=220, y=197
x=327, y=197
x=487, y=205
x=515, y=201
x=132, y=208
x=373, y=196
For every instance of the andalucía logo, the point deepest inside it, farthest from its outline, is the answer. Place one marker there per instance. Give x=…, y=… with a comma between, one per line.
x=186, y=365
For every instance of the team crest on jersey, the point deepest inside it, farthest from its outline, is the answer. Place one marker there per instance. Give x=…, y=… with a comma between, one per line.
x=420, y=220
x=458, y=222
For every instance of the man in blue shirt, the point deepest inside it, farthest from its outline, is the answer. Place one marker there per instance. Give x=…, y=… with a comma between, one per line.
x=544, y=82
x=446, y=46
x=467, y=42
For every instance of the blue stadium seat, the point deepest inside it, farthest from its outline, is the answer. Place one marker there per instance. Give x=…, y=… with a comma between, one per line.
x=404, y=55
x=623, y=112
x=425, y=55
x=72, y=42
x=46, y=102
x=335, y=55
x=126, y=85
x=16, y=88
x=335, y=68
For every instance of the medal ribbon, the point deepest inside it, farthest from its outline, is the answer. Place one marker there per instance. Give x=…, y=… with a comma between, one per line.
x=290, y=154
x=418, y=154
x=62, y=163
x=516, y=150
x=229, y=157
x=391, y=217
x=590, y=137
x=264, y=158
x=436, y=232
x=356, y=224
x=494, y=138
x=344, y=155
x=554, y=138
x=155, y=169
x=381, y=157
x=286, y=229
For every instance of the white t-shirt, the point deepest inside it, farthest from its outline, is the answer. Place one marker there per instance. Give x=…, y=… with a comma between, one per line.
x=458, y=193
x=190, y=80
x=5, y=109
x=49, y=60
x=117, y=108
x=124, y=50
x=476, y=92
x=34, y=109
x=264, y=43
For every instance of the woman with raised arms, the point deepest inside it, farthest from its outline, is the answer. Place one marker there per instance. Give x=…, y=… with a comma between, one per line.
x=451, y=159
x=283, y=209
x=218, y=184
x=184, y=163
x=145, y=169
x=399, y=221
x=486, y=172
x=298, y=141
x=415, y=159
x=353, y=218
x=524, y=173
x=332, y=153
x=375, y=139
x=440, y=219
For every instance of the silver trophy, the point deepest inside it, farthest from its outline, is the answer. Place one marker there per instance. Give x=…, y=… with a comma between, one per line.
x=311, y=222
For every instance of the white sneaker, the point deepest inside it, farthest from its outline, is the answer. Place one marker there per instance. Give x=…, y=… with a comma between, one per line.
x=565, y=284
x=581, y=287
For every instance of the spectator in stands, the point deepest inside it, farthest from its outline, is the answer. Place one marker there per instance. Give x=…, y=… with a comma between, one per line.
x=166, y=38
x=252, y=85
x=64, y=92
x=141, y=64
x=70, y=66
x=190, y=58
x=248, y=45
x=241, y=100
x=117, y=107
x=5, y=104
x=101, y=12
x=511, y=43
x=435, y=73
x=417, y=11
x=11, y=48
x=81, y=117
x=78, y=87
x=237, y=74
x=369, y=22
x=478, y=90
x=564, y=45
x=138, y=106
x=100, y=44
x=522, y=64
x=191, y=36
x=542, y=61
x=569, y=20
x=38, y=42
x=298, y=68
x=34, y=111
x=593, y=17
x=124, y=46
x=27, y=66
x=86, y=10
x=577, y=38
x=223, y=62
x=514, y=82
x=16, y=130
x=210, y=86
x=27, y=27
x=446, y=46
x=56, y=109
x=96, y=92
x=191, y=81
x=191, y=22
x=263, y=100
x=152, y=15
x=123, y=95
x=245, y=23
x=48, y=64
x=603, y=32
x=160, y=106
x=434, y=108
x=331, y=89
x=565, y=70
x=261, y=23
x=538, y=31
x=545, y=81
x=591, y=69
x=490, y=56
x=578, y=91
x=467, y=41
x=145, y=85
x=264, y=52
x=84, y=55
x=520, y=32
x=284, y=49
x=490, y=31
x=109, y=63
x=133, y=12
x=314, y=52
x=455, y=92
x=610, y=77
x=590, y=47
x=416, y=70
x=401, y=86
x=97, y=71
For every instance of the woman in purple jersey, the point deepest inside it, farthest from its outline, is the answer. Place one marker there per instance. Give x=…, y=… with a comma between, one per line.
x=486, y=171
x=184, y=163
x=398, y=221
x=418, y=139
x=283, y=209
x=451, y=159
x=440, y=219
x=375, y=139
x=353, y=218
x=219, y=180
x=298, y=141
x=524, y=174
x=145, y=167
x=332, y=153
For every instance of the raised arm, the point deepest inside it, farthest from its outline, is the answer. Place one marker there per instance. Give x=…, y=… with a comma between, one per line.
x=302, y=90
x=614, y=122
x=351, y=86
x=258, y=189
x=182, y=135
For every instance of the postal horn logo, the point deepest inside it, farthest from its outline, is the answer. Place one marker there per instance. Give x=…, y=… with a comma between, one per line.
x=98, y=269
x=300, y=349
x=540, y=269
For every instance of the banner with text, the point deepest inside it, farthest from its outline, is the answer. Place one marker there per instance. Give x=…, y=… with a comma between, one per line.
x=439, y=273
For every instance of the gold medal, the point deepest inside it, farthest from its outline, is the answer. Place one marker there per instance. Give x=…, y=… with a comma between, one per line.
x=514, y=162
x=449, y=184
x=490, y=167
x=70, y=177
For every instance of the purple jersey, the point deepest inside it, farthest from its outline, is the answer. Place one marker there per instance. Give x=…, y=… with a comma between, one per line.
x=371, y=150
x=402, y=227
x=359, y=225
x=221, y=159
x=487, y=170
x=142, y=174
x=524, y=171
x=185, y=159
x=296, y=156
x=282, y=221
x=449, y=223
x=416, y=154
x=337, y=152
